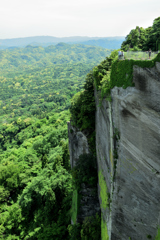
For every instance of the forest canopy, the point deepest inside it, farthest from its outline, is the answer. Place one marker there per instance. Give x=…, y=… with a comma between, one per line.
x=143, y=38
x=36, y=86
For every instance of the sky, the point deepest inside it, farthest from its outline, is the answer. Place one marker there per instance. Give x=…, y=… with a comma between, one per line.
x=65, y=18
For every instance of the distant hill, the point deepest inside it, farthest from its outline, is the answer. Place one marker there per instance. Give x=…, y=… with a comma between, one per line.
x=44, y=41
x=38, y=56
x=109, y=43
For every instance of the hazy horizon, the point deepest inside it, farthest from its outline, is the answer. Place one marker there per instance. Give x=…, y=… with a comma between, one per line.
x=64, y=37
x=19, y=19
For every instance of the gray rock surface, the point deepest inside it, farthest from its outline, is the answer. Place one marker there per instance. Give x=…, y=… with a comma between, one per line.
x=89, y=203
x=78, y=145
x=134, y=181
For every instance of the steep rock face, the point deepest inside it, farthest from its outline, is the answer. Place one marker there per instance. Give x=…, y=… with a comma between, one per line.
x=130, y=165
x=78, y=145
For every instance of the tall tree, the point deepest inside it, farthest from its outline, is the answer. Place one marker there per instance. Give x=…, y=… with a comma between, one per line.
x=143, y=39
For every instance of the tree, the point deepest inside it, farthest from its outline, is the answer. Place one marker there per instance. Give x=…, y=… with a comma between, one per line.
x=143, y=39
x=154, y=36
x=45, y=203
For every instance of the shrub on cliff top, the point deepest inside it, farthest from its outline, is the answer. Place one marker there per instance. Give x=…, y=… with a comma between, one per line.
x=122, y=71
x=83, y=111
x=83, y=106
x=100, y=72
x=117, y=73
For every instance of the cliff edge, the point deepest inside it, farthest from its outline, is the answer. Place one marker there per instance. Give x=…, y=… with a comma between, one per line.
x=128, y=155
x=127, y=128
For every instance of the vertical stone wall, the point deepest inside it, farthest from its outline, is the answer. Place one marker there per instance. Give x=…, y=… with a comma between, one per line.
x=130, y=165
x=104, y=149
x=78, y=145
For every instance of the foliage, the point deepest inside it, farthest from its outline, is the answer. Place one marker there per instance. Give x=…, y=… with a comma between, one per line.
x=11, y=222
x=74, y=209
x=39, y=91
x=83, y=110
x=45, y=200
x=104, y=194
x=143, y=39
x=104, y=231
x=154, y=36
x=100, y=71
x=136, y=39
x=85, y=171
x=34, y=56
x=102, y=75
x=109, y=73
x=10, y=179
x=90, y=229
x=117, y=73
x=83, y=106
x=36, y=87
x=122, y=71
x=33, y=192
x=83, y=103
x=158, y=234
x=74, y=231
x=36, y=81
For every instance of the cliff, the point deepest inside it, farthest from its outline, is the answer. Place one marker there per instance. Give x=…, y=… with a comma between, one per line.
x=128, y=151
x=86, y=203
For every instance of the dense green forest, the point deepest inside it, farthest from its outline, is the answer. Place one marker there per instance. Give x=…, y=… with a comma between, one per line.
x=35, y=179
x=143, y=38
x=36, y=80
x=37, y=85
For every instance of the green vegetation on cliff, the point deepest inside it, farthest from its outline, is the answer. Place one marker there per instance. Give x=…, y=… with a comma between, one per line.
x=143, y=39
x=122, y=71
x=158, y=234
x=113, y=72
x=83, y=105
x=36, y=85
x=90, y=229
x=109, y=73
x=105, y=198
x=104, y=231
x=85, y=172
x=83, y=110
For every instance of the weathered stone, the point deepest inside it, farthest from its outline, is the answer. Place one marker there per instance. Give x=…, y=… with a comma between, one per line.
x=133, y=183
x=89, y=203
x=78, y=145
x=130, y=165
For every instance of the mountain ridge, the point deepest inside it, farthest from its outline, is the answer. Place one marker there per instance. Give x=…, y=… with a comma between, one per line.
x=49, y=40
